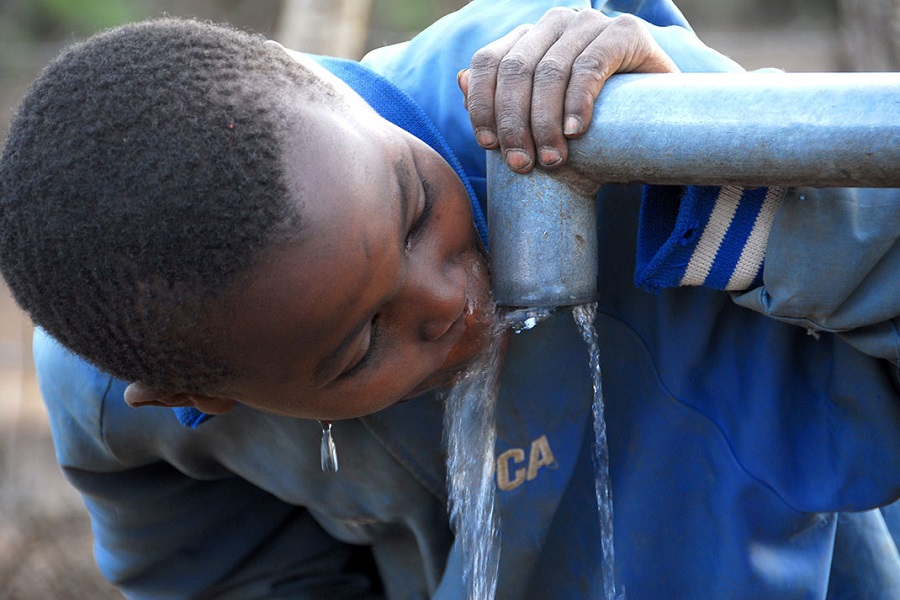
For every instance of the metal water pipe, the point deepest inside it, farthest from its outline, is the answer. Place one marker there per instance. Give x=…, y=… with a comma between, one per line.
x=746, y=129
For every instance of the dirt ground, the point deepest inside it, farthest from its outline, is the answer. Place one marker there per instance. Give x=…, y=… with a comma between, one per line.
x=45, y=539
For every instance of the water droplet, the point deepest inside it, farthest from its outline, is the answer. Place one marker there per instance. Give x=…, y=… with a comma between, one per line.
x=523, y=319
x=328, y=450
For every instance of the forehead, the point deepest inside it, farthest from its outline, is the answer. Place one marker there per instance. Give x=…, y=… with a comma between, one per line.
x=339, y=161
x=329, y=133
x=319, y=85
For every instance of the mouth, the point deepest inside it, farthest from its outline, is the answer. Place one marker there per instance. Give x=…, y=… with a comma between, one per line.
x=476, y=324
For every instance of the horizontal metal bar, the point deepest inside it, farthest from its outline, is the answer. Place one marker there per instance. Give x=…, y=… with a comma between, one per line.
x=750, y=129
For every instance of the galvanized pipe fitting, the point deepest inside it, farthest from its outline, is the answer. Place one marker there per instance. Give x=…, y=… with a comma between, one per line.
x=747, y=129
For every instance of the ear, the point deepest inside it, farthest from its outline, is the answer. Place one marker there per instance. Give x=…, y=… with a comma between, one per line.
x=137, y=394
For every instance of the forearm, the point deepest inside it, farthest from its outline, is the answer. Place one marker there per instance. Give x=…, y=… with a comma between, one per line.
x=823, y=259
x=833, y=265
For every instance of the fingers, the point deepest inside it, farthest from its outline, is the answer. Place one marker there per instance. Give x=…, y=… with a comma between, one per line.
x=535, y=88
x=518, y=74
x=624, y=46
x=551, y=122
x=516, y=90
x=479, y=85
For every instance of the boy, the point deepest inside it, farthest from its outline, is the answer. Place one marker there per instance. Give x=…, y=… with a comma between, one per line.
x=231, y=231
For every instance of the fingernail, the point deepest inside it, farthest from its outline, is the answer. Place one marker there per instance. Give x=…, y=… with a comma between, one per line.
x=572, y=125
x=459, y=75
x=517, y=159
x=486, y=138
x=549, y=156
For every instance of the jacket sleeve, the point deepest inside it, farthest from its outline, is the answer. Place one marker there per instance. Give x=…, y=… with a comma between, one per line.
x=833, y=265
x=159, y=533
x=824, y=259
x=827, y=260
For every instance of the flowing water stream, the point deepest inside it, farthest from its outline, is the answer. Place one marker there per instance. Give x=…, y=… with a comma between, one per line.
x=469, y=436
x=584, y=315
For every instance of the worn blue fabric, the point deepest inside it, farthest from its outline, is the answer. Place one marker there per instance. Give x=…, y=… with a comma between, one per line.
x=702, y=235
x=738, y=440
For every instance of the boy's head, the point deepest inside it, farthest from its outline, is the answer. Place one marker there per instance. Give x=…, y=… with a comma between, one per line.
x=141, y=173
x=181, y=205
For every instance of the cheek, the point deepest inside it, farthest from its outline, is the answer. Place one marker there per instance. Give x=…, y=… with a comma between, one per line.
x=461, y=217
x=394, y=383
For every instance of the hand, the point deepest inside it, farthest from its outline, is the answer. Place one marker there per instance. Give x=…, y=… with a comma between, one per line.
x=535, y=88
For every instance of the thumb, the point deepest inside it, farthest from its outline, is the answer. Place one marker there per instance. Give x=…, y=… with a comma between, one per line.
x=462, y=79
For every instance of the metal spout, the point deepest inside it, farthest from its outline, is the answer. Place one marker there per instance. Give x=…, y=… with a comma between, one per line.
x=543, y=239
x=747, y=129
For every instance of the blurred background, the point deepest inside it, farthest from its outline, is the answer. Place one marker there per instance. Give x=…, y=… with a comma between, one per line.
x=45, y=541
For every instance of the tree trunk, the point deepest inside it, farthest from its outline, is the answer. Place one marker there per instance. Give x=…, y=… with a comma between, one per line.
x=870, y=31
x=329, y=27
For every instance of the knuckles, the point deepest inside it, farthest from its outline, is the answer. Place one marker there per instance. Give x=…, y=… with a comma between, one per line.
x=627, y=25
x=515, y=66
x=560, y=15
x=546, y=129
x=485, y=59
x=592, y=65
x=551, y=70
x=479, y=110
x=510, y=127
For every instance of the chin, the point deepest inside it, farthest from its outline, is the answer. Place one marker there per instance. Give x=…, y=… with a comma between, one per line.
x=479, y=329
x=437, y=381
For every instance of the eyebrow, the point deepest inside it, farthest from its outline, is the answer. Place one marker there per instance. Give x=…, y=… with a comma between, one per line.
x=330, y=361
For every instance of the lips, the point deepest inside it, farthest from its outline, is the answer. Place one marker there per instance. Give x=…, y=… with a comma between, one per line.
x=477, y=320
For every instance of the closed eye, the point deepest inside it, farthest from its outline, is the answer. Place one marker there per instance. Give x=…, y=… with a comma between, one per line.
x=422, y=221
x=415, y=232
x=370, y=351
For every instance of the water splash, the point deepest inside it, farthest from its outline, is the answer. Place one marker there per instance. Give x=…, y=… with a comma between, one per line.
x=470, y=434
x=523, y=319
x=584, y=316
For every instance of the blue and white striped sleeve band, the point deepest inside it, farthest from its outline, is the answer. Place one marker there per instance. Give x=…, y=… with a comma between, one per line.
x=708, y=236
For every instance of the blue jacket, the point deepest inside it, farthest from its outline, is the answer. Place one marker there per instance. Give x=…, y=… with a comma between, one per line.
x=741, y=422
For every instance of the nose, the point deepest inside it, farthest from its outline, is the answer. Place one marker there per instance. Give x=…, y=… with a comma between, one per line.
x=437, y=298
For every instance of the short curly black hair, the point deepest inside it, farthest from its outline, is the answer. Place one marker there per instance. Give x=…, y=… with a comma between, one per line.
x=141, y=175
